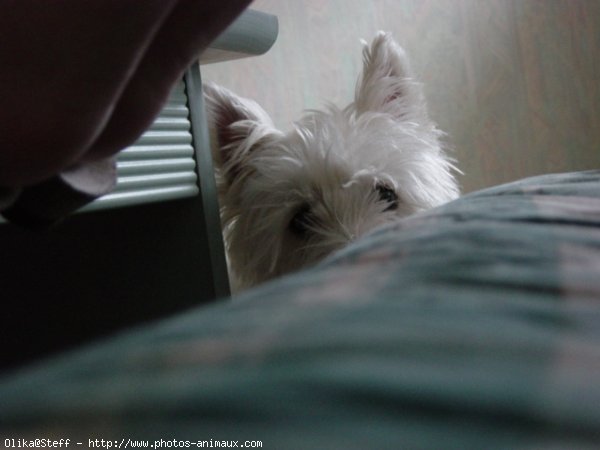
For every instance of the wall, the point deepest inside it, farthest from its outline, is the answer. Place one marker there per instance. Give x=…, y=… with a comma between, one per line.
x=514, y=83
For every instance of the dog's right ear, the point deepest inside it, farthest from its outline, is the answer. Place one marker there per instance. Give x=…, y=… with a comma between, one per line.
x=237, y=125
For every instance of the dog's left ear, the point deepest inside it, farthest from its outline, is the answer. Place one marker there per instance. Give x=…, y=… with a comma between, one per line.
x=386, y=84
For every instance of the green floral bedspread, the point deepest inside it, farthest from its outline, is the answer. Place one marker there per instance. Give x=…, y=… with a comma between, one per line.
x=474, y=325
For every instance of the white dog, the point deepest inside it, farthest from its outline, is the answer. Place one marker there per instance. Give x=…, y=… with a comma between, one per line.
x=290, y=199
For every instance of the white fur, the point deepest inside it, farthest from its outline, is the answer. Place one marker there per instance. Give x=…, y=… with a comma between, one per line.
x=332, y=165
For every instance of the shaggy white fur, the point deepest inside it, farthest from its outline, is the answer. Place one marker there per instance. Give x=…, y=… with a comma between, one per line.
x=290, y=199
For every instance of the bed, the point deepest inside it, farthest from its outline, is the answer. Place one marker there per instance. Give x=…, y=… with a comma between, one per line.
x=473, y=325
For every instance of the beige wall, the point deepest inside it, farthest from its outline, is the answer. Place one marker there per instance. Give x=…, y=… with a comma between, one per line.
x=514, y=83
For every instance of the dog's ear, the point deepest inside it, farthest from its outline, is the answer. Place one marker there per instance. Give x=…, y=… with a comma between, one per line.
x=386, y=83
x=237, y=125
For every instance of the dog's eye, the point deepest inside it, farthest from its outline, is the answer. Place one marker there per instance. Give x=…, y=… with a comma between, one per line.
x=387, y=195
x=301, y=221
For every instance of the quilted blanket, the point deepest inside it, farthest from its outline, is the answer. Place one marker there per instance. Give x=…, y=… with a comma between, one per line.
x=473, y=325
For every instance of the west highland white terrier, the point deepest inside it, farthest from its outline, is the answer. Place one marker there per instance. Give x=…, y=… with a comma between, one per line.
x=290, y=199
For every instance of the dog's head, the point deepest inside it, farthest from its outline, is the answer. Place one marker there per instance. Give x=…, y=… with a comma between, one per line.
x=290, y=199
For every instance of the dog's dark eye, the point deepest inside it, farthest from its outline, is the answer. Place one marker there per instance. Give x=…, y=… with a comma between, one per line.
x=301, y=221
x=387, y=195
